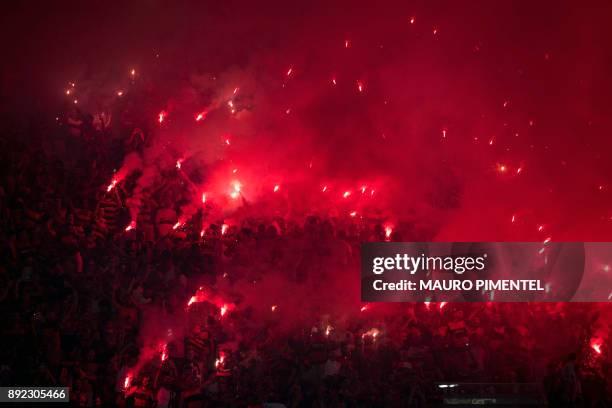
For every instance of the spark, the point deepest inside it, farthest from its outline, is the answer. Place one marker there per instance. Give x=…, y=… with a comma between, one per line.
x=501, y=168
x=75, y=101
x=513, y=218
x=219, y=361
x=234, y=171
x=68, y=91
x=289, y=71
x=442, y=305
x=201, y=116
x=227, y=142
x=324, y=189
x=388, y=231
x=435, y=31
x=346, y=194
x=353, y=213
x=276, y=188
x=334, y=81
x=596, y=346
x=411, y=20
x=133, y=72
x=199, y=296
x=363, y=189
x=540, y=228
x=224, y=229
x=519, y=170
x=202, y=232
x=164, y=354
x=161, y=116
x=179, y=162
x=127, y=381
x=364, y=308
x=427, y=305
x=273, y=308
x=119, y=93
x=372, y=193
x=374, y=332
x=177, y=225
x=131, y=226
x=347, y=44
x=236, y=90
x=491, y=142
x=328, y=330
x=360, y=86
x=223, y=310
x=112, y=185
x=444, y=133
x=547, y=240
x=203, y=198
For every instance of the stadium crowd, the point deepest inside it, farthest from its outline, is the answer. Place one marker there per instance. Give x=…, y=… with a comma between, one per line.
x=77, y=290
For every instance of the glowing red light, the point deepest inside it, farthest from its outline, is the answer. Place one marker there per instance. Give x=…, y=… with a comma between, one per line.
x=201, y=116
x=596, y=346
x=112, y=185
x=164, y=353
x=219, y=361
x=127, y=381
x=131, y=226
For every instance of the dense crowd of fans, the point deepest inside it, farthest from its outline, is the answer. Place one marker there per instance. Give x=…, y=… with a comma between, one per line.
x=77, y=292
